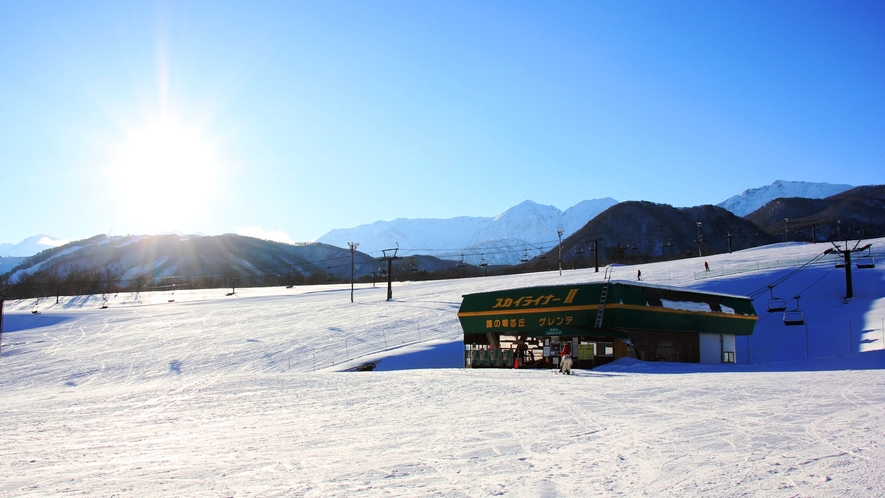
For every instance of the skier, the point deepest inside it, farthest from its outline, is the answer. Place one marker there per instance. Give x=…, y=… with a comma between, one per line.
x=706, y=266
x=565, y=362
x=520, y=352
x=639, y=275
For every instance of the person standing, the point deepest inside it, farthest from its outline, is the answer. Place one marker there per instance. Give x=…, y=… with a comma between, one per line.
x=565, y=359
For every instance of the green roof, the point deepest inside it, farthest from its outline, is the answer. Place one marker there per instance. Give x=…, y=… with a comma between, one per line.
x=629, y=306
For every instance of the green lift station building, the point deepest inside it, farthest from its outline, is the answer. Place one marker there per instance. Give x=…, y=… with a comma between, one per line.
x=602, y=321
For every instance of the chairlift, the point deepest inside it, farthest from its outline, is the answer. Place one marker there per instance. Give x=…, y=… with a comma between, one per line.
x=541, y=254
x=775, y=304
x=839, y=262
x=866, y=262
x=482, y=260
x=579, y=250
x=525, y=256
x=460, y=264
x=794, y=317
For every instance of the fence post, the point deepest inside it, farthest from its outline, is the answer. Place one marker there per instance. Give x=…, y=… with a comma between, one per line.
x=806, y=341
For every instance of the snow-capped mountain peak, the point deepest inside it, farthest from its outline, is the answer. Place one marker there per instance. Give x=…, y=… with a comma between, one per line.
x=754, y=198
x=31, y=246
x=527, y=226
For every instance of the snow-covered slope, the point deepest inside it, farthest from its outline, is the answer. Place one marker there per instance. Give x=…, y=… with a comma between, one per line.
x=214, y=395
x=754, y=198
x=8, y=263
x=526, y=226
x=31, y=246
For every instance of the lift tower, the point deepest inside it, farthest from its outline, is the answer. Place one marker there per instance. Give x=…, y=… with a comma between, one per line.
x=846, y=253
x=389, y=256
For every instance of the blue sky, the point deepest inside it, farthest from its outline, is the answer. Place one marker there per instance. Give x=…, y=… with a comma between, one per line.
x=295, y=118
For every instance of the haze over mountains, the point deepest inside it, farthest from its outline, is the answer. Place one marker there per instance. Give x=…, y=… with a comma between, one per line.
x=30, y=246
x=526, y=226
x=523, y=238
x=529, y=230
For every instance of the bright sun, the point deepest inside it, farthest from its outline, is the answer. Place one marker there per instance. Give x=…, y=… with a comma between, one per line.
x=165, y=174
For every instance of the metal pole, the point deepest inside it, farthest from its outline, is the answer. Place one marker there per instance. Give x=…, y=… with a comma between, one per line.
x=389, y=256
x=559, y=232
x=596, y=254
x=353, y=246
x=389, y=279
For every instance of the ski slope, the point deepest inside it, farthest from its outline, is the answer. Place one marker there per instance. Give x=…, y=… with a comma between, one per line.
x=248, y=394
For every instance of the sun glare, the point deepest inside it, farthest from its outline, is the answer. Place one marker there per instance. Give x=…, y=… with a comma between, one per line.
x=165, y=175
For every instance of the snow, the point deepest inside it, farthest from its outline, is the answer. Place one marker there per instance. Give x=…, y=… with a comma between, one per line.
x=216, y=395
x=687, y=306
x=502, y=238
x=31, y=246
x=754, y=198
x=7, y=263
x=35, y=268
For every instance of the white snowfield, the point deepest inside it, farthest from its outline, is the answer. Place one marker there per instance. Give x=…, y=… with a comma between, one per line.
x=215, y=395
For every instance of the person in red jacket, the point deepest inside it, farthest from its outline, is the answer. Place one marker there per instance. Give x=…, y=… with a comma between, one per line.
x=565, y=361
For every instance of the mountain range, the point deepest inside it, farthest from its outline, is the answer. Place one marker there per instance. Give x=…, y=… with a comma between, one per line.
x=30, y=246
x=754, y=198
x=528, y=226
x=105, y=264
x=529, y=229
x=523, y=238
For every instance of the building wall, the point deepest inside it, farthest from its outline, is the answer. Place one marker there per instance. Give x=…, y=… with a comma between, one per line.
x=728, y=345
x=714, y=345
x=711, y=348
x=680, y=347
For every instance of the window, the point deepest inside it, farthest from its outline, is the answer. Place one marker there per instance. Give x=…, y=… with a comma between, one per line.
x=606, y=349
